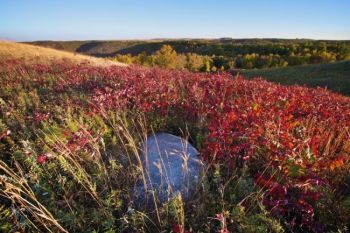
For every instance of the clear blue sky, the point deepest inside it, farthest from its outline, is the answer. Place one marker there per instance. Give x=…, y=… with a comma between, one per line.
x=26, y=20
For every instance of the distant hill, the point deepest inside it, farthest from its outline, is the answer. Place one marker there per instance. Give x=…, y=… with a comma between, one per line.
x=95, y=48
x=335, y=76
x=224, y=46
x=36, y=54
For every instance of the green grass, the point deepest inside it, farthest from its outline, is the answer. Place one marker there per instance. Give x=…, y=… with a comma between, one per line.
x=335, y=76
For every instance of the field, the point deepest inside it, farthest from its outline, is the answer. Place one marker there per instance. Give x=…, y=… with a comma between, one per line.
x=70, y=137
x=334, y=76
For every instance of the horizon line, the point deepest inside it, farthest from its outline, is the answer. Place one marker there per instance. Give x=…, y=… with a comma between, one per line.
x=180, y=38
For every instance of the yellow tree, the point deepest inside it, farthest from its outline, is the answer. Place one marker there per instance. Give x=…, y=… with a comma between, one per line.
x=193, y=62
x=166, y=57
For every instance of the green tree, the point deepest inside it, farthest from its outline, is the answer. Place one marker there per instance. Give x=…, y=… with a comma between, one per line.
x=344, y=53
x=207, y=61
x=144, y=60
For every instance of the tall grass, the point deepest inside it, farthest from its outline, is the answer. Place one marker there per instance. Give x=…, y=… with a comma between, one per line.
x=71, y=147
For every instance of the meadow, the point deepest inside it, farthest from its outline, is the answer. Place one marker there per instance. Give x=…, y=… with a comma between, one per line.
x=334, y=76
x=71, y=133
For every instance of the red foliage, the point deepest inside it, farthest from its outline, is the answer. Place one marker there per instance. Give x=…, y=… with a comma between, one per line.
x=41, y=159
x=179, y=229
x=277, y=131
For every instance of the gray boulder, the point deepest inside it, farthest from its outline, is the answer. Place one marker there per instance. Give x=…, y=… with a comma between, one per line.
x=171, y=165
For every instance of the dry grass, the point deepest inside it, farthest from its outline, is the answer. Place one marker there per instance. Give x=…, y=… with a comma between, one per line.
x=17, y=189
x=35, y=54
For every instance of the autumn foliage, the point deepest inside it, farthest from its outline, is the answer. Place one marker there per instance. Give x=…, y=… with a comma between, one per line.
x=294, y=141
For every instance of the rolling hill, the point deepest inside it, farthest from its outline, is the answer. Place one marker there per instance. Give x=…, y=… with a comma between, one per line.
x=223, y=46
x=334, y=76
x=36, y=54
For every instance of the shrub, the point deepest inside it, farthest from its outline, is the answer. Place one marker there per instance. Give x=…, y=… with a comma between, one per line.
x=277, y=156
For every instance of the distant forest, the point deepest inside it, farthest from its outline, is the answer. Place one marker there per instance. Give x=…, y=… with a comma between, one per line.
x=211, y=55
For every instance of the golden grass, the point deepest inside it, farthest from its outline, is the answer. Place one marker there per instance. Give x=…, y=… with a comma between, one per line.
x=32, y=54
x=17, y=189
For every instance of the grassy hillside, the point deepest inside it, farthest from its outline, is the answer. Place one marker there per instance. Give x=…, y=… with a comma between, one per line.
x=35, y=54
x=335, y=76
x=96, y=48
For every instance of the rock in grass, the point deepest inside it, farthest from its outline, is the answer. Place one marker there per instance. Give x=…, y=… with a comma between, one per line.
x=171, y=166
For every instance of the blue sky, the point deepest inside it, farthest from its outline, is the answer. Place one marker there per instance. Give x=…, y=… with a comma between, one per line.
x=26, y=20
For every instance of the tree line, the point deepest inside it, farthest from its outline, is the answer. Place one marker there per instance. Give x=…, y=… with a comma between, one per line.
x=225, y=57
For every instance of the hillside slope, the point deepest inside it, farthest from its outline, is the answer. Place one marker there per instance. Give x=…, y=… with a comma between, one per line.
x=35, y=54
x=335, y=76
